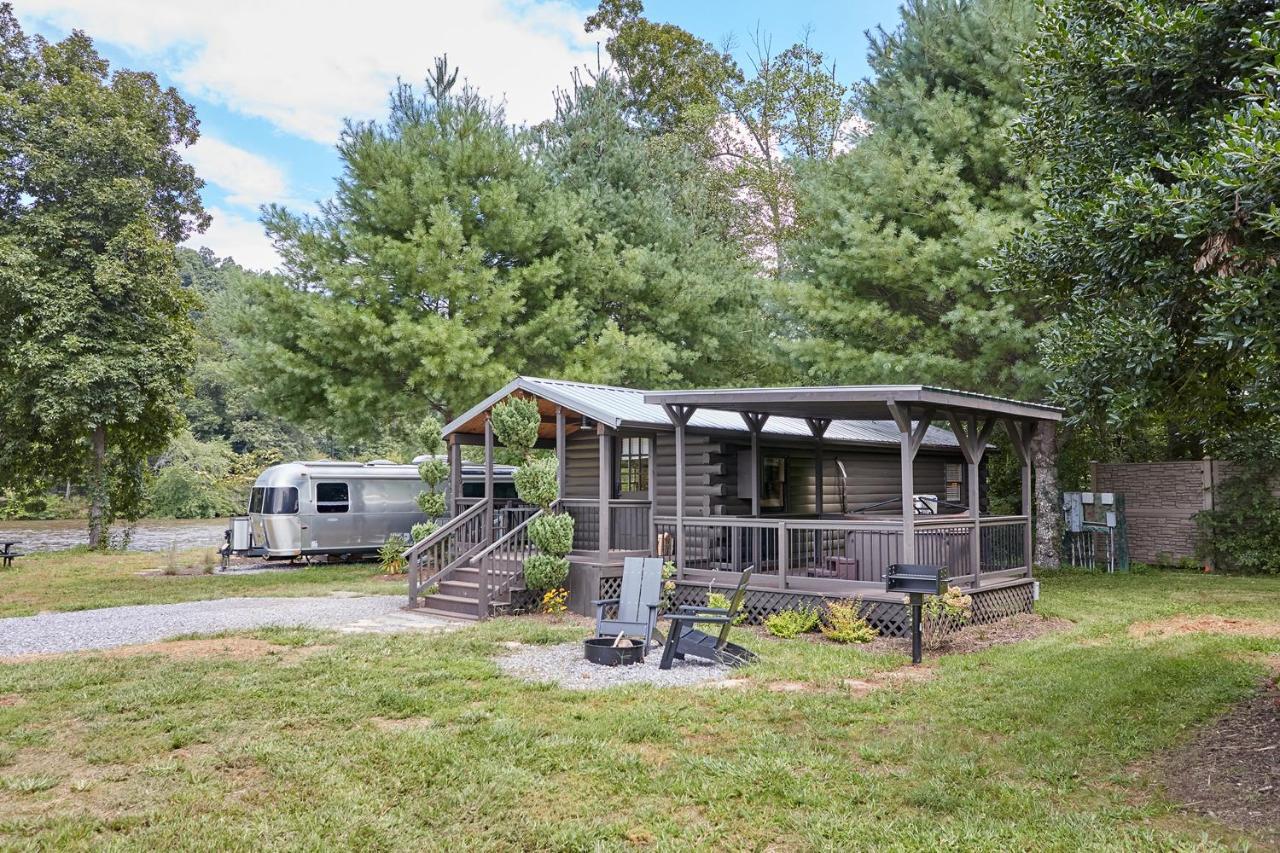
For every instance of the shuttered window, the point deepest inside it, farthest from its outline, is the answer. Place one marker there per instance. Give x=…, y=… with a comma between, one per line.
x=955, y=482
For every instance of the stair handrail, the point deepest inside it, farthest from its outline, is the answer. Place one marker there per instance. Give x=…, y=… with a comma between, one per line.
x=485, y=593
x=413, y=553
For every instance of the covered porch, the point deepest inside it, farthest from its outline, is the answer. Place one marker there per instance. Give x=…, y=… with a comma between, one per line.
x=846, y=554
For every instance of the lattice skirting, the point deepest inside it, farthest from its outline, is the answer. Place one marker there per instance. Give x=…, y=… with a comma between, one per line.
x=890, y=619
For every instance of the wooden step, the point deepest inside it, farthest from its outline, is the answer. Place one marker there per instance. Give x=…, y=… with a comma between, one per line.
x=454, y=604
x=446, y=614
x=461, y=588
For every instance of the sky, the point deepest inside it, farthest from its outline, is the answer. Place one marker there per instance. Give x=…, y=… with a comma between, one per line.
x=273, y=80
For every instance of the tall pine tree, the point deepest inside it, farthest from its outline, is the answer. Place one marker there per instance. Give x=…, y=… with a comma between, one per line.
x=889, y=284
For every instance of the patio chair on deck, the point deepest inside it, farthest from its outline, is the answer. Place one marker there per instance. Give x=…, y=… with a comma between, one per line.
x=637, y=604
x=686, y=639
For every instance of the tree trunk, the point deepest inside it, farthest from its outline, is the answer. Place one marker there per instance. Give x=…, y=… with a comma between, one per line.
x=1044, y=461
x=98, y=489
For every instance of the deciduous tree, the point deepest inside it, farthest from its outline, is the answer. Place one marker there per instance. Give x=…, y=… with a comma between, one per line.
x=96, y=338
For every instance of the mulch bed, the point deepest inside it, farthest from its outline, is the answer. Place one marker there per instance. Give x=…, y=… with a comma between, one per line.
x=1231, y=770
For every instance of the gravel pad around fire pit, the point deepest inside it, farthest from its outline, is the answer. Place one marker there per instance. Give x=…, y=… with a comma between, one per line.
x=565, y=666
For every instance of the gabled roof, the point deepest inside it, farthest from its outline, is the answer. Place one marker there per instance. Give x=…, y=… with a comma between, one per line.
x=617, y=407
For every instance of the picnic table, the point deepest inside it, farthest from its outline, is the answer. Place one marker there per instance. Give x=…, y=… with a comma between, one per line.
x=7, y=554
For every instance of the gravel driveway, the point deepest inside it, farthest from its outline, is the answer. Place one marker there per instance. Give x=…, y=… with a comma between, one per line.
x=122, y=626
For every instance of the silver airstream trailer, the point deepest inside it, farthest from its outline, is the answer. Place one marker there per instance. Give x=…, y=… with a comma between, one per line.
x=305, y=509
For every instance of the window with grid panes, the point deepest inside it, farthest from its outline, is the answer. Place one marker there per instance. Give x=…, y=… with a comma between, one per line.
x=633, y=464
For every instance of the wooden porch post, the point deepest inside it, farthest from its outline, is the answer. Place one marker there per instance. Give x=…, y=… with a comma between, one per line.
x=902, y=417
x=488, y=478
x=455, y=475
x=755, y=422
x=1020, y=440
x=606, y=489
x=909, y=440
x=818, y=427
x=653, y=494
x=560, y=449
x=973, y=446
x=679, y=416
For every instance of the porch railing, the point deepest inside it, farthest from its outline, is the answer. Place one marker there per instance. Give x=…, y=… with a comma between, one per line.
x=813, y=552
x=431, y=560
x=630, y=528
x=502, y=564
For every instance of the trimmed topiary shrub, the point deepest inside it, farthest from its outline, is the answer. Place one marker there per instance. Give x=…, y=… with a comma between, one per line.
x=552, y=534
x=544, y=571
x=515, y=423
x=536, y=482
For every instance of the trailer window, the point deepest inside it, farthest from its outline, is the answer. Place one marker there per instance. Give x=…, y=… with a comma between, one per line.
x=332, y=497
x=255, y=499
x=279, y=500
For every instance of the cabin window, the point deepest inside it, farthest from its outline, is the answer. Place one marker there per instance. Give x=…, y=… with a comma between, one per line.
x=274, y=500
x=773, y=483
x=955, y=482
x=332, y=497
x=633, y=465
x=502, y=490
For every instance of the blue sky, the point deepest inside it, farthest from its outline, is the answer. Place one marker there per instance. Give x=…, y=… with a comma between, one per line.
x=272, y=79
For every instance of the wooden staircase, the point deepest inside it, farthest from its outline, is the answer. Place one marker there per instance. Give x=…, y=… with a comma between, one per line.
x=458, y=573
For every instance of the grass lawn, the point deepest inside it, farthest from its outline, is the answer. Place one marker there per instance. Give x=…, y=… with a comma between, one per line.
x=418, y=742
x=79, y=579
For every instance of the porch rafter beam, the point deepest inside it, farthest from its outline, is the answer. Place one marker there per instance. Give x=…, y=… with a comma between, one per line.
x=755, y=421
x=818, y=426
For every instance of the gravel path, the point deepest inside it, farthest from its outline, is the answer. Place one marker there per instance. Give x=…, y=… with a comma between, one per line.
x=564, y=665
x=122, y=626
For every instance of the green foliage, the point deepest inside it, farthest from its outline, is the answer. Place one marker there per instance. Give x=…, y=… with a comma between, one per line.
x=843, y=622
x=39, y=505
x=943, y=615
x=391, y=554
x=1153, y=124
x=430, y=440
x=432, y=503
x=552, y=533
x=1242, y=531
x=543, y=572
x=96, y=343
x=397, y=294
x=721, y=601
x=535, y=481
x=433, y=471
x=515, y=423
x=887, y=263
x=194, y=479
x=422, y=530
x=789, y=624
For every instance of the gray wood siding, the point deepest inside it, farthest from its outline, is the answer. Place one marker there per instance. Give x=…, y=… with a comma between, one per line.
x=711, y=474
x=582, y=465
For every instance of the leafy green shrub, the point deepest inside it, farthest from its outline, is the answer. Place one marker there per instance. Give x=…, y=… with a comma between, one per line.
x=843, y=623
x=391, y=554
x=944, y=615
x=552, y=534
x=433, y=471
x=515, y=423
x=431, y=503
x=1242, y=532
x=544, y=571
x=422, y=530
x=536, y=482
x=721, y=601
x=788, y=624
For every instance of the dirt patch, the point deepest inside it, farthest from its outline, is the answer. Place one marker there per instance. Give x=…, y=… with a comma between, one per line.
x=230, y=648
x=976, y=638
x=1180, y=625
x=403, y=724
x=1230, y=771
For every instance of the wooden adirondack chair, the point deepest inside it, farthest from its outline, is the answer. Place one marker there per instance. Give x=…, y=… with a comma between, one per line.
x=638, y=602
x=686, y=639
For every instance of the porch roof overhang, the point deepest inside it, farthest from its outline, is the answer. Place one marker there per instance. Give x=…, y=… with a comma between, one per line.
x=854, y=402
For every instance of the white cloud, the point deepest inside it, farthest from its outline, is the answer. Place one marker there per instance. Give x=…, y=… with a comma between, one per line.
x=249, y=180
x=305, y=65
x=238, y=237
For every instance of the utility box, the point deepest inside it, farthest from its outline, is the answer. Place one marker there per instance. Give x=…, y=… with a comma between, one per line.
x=241, y=534
x=914, y=578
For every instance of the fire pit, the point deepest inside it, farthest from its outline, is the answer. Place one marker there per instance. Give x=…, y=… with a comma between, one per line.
x=602, y=650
